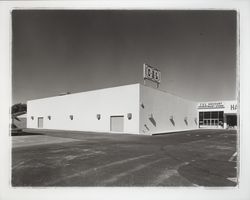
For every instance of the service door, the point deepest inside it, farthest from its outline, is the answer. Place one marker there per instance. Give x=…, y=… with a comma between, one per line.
x=117, y=123
x=40, y=122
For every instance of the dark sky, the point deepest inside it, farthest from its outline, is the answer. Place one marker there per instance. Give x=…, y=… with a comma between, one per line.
x=59, y=51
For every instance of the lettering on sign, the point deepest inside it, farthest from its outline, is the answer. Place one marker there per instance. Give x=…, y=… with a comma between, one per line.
x=233, y=107
x=211, y=105
x=151, y=73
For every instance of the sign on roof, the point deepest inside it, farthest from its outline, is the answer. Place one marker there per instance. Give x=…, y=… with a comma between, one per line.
x=151, y=73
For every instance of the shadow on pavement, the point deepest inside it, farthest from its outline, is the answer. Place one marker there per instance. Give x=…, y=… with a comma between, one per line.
x=19, y=132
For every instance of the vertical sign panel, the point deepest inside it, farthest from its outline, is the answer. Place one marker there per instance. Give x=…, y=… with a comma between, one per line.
x=151, y=73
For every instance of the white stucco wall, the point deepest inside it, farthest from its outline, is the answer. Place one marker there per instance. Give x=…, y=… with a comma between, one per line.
x=84, y=107
x=161, y=106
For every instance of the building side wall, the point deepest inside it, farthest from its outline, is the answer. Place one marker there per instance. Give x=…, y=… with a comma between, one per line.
x=84, y=107
x=161, y=112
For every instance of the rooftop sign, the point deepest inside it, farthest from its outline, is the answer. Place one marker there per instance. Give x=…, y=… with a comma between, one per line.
x=151, y=73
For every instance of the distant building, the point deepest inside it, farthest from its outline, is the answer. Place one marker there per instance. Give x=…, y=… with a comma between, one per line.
x=135, y=109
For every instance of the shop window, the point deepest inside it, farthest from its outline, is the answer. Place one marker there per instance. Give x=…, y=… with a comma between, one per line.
x=221, y=117
x=49, y=117
x=212, y=122
x=221, y=114
x=71, y=117
x=207, y=115
x=32, y=117
x=214, y=118
x=216, y=122
x=215, y=115
x=201, y=115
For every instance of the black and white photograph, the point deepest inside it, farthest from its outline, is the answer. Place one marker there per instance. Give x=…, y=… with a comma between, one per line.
x=106, y=99
x=124, y=98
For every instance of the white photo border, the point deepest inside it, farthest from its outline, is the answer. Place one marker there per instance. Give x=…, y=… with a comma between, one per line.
x=243, y=91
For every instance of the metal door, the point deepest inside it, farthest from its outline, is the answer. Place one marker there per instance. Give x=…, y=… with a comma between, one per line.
x=40, y=122
x=117, y=123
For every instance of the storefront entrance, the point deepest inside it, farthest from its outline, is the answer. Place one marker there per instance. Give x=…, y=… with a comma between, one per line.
x=211, y=119
x=217, y=119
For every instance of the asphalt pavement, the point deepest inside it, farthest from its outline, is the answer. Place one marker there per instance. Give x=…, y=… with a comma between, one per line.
x=190, y=158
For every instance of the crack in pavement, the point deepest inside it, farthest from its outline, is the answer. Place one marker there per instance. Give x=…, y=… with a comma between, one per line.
x=85, y=172
x=138, y=168
x=167, y=173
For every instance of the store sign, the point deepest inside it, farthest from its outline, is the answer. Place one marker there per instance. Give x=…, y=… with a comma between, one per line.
x=151, y=73
x=211, y=105
x=233, y=107
x=226, y=106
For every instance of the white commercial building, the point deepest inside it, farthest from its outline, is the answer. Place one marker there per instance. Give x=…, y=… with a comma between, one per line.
x=135, y=109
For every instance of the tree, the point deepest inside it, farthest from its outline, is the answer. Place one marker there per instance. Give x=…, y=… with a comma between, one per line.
x=17, y=110
x=19, y=107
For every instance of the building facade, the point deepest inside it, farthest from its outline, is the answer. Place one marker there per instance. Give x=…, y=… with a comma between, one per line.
x=135, y=109
x=219, y=114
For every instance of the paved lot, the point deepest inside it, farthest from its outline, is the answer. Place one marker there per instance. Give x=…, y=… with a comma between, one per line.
x=33, y=140
x=193, y=158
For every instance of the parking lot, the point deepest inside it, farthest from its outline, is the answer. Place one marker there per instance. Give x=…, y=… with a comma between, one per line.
x=63, y=158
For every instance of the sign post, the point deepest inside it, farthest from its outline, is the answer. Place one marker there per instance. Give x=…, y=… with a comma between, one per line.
x=152, y=74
